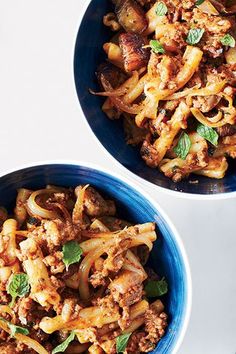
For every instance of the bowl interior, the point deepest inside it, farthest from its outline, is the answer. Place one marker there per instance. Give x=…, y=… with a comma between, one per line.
x=88, y=55
x=165, y=259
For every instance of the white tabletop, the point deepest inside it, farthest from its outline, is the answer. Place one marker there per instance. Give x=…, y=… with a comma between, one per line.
x=40, y=120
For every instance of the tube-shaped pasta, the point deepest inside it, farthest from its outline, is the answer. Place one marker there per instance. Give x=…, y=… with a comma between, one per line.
x=178, y=121
x=9, y=230
x=42, y=290
x=153, y=20
x=95, y=316
x=216, y=168
x=20, y=210
x=77, y=215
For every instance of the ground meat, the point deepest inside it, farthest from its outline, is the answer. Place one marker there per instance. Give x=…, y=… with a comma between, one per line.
x=8, y=349
x=174, y=39
x=215, y=28
x=149, y=154
x=29, y=312
x=127, y=288
x=134, y=342
x=57, y=232
x=228, y=72
x=155, y=324
x=168, y=68
x=177, y=7
x=206, y=103
x=226, y=130
x=55, y=262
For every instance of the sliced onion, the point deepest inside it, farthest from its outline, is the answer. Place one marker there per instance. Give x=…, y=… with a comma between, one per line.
x=36, y=209
x=123, y=89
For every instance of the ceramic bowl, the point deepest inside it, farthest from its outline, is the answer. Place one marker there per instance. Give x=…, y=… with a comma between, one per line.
x=88, y=55
x=168, y=256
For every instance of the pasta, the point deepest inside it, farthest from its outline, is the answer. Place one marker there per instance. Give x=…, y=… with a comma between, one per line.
x=172, y=59
x=73, y=276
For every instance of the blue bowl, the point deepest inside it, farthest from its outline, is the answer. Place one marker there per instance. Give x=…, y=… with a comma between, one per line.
x=167, y=257
x=88, y=55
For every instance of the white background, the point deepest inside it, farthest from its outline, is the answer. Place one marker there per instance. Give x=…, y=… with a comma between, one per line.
x=40, y=119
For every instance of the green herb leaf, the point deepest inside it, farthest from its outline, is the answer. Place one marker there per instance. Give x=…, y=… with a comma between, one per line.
x=15, y=329
x=208, y=133
x=121, y=342
x=157, y=47
x=63, y=346
x=72, y=253
x=228, y=40
x=199, y=2
x=183, y=146
x=161, y=9
x=18, y=286
x=195, y=35
x=155, y=288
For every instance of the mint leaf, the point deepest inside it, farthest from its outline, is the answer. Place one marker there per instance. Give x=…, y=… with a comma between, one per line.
x=195, y=35
x=18, y=286
x=183, y=146
x=121, y=342
x=228, y=40
x=15, y=329
x=157, y=47
x=208, y=133
x=72, y=253
x=161, y=9
x=155, y=288
x=64, y=345
x=199, y=2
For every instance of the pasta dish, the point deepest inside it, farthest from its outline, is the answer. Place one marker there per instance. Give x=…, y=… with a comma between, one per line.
x=73, y=277
x=171, y=75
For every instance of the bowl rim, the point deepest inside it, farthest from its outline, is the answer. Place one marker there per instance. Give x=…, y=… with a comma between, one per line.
x=132, y=185
x=178, y=194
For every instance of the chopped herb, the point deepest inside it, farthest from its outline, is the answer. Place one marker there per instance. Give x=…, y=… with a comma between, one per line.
x=72, y=253
x=161, y=9
x=156, y=288
x=183, y=146
x=195, y=35
x=208, y=133
x=18, y=286
x=64, y=345
x=199, y=2
x=121, y=342
x=157, y=47
x=228, y=40
x=15, y=329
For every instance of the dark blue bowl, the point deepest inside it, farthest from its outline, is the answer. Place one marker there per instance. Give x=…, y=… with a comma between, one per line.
x=88, y=55
x=168, y=256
